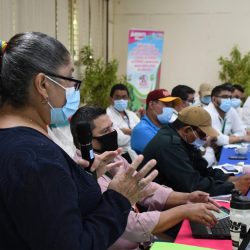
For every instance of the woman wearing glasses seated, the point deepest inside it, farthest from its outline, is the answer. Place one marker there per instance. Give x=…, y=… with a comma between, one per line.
x=46, y=200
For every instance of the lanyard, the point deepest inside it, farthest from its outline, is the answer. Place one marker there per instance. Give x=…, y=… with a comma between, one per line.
x=223, y=123
x=126, y=119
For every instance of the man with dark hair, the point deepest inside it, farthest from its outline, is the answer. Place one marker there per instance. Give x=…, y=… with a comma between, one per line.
x=224, y=118
x=237, y=97
x=228, y=85
x=123, y=119
x=159, y=111
x=185, y=93
x=246, y=114
x=87, y=114
x=180, y=163
x=118, y=86
x=238, y=91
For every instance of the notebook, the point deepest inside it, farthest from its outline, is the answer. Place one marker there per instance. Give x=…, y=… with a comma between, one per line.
x=220, y=231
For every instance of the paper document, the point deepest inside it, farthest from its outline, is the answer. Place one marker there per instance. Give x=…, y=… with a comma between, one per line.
x=226, y=168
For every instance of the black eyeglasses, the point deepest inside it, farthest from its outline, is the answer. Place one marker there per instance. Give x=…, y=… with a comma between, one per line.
x=77, y=84
x=200, y=133
x=224, y=96
x=189, y=101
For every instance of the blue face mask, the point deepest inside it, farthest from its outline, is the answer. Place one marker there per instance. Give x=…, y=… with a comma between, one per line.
x=198, y=143
x=60, y=116
x=206, y=99
x=236, y=102
x=166, y=115
x=121, y=105
x=225, y=105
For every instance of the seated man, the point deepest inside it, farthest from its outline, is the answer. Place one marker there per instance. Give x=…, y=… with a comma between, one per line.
x=159, y=111
x=141, y=226
x=237, y=96
x=180, y=163
x=204, y=92
x=225, y=118
x=186, y=94
x=123, y=119
x=246, y=113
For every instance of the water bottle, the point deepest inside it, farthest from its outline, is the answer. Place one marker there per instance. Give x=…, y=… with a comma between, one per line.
x=244, y=238
x=239, y=215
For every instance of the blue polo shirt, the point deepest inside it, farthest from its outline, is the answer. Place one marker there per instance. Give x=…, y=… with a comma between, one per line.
x=142, y=133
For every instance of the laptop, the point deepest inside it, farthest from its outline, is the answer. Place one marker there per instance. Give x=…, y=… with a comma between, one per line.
x=220, y=231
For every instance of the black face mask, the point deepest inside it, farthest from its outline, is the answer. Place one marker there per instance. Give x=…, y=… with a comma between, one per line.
x=108, y=142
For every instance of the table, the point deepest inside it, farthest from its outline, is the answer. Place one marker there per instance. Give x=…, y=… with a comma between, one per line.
x=185, y=237
x=226, y=152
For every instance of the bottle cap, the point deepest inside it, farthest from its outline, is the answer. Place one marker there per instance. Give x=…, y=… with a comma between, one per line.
x=239, y=201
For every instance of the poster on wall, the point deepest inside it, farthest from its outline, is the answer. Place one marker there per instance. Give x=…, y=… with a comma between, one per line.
x=144, y=64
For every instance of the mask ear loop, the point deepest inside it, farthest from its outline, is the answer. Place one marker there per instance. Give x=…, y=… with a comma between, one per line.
x=197, y=137
x=50, y=105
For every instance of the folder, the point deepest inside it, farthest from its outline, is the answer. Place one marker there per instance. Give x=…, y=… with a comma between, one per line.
x=174, y=246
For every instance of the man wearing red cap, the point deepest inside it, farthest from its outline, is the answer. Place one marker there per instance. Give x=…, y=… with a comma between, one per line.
x=159, y=111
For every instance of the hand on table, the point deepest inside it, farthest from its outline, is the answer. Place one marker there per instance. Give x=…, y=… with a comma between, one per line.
x=246, y=138
x=242, y=183
x=201, y=212
x=210, y=141
x=200, y=196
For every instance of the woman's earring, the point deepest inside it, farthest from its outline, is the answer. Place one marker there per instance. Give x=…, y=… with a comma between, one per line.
x=44, y=100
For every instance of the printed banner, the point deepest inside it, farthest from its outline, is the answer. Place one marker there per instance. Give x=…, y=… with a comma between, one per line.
x=144, y=64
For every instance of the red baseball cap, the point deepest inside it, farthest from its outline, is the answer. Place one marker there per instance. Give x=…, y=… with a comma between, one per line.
x=162, y=95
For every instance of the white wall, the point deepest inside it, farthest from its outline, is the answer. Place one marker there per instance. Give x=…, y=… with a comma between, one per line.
x=52, y=17
x=26, y=15
x=197, y=33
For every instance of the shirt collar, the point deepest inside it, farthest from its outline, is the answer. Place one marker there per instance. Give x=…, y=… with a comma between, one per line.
x=145, y=118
